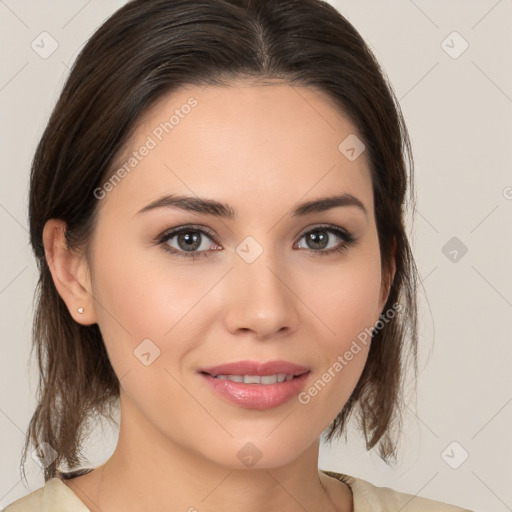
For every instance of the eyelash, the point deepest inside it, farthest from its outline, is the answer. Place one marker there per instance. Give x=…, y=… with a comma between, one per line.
x=347, y=238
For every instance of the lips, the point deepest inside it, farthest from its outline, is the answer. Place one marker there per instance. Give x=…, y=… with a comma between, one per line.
x=256, y=395
x=256, y=368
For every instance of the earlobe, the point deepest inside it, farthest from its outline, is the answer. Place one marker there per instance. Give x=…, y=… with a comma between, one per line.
x=70, y=273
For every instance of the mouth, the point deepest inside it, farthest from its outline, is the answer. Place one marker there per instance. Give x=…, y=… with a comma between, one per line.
x=258, y=379
x=257, y=385
x=255, y=372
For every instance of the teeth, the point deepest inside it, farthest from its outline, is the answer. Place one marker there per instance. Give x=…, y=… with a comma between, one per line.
x=257, y=379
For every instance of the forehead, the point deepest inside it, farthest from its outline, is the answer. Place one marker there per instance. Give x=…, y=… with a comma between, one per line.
x=245, y=140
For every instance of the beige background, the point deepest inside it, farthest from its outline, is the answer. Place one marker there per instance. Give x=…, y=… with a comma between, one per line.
x=459, y=113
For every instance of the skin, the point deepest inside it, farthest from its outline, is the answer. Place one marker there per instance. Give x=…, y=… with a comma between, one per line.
x=262, y=149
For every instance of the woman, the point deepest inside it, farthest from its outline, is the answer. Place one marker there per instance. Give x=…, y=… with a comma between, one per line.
x=216, y=208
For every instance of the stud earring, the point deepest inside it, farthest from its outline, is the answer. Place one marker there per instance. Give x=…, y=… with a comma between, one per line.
x=80, y=310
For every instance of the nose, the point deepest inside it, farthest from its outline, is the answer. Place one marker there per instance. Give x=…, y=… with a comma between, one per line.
x=260, y=298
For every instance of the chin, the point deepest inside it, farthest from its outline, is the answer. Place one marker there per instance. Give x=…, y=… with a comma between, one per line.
x=255, y=452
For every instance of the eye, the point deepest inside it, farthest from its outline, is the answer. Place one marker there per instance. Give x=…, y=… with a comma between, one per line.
x=193, y=242
x=190, y=241
x=320, y=239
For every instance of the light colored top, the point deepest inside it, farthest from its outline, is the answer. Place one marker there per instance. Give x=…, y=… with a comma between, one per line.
x=55, y=496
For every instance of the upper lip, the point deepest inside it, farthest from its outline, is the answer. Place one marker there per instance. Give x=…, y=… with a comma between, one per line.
x=256, y=368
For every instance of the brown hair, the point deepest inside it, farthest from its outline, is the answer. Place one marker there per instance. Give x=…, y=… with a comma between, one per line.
x=149, y=48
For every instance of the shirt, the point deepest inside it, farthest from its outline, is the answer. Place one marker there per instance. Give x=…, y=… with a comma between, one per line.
x=55, y=496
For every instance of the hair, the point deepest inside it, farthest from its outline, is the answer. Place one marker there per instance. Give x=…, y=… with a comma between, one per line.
x=148, y=49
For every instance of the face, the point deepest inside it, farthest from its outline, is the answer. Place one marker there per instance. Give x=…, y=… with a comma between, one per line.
x=270, y=282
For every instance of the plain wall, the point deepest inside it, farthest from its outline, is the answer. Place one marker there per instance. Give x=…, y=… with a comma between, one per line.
x=458, y=108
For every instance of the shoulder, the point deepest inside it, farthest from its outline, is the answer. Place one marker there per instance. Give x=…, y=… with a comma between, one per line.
x=370, y=498
x=32, y=501
x=54, y=496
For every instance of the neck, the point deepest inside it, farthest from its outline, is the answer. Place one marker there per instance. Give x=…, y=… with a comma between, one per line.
x=148, y=471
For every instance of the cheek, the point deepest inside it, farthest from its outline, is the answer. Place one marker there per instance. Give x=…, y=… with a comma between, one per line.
x=346, y=301
x=346, y=297
x=138, y=298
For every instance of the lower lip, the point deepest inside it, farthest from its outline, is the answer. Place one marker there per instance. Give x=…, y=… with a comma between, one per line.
x=257, y=396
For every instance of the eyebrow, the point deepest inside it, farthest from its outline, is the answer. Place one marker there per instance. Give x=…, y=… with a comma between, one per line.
x=211, y=207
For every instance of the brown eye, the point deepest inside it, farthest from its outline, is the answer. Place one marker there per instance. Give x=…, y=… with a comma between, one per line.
x=322, y=239
x=189, y=242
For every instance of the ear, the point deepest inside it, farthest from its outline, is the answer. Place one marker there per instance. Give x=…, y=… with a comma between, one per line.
x=70, y=272
x=388, y=277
